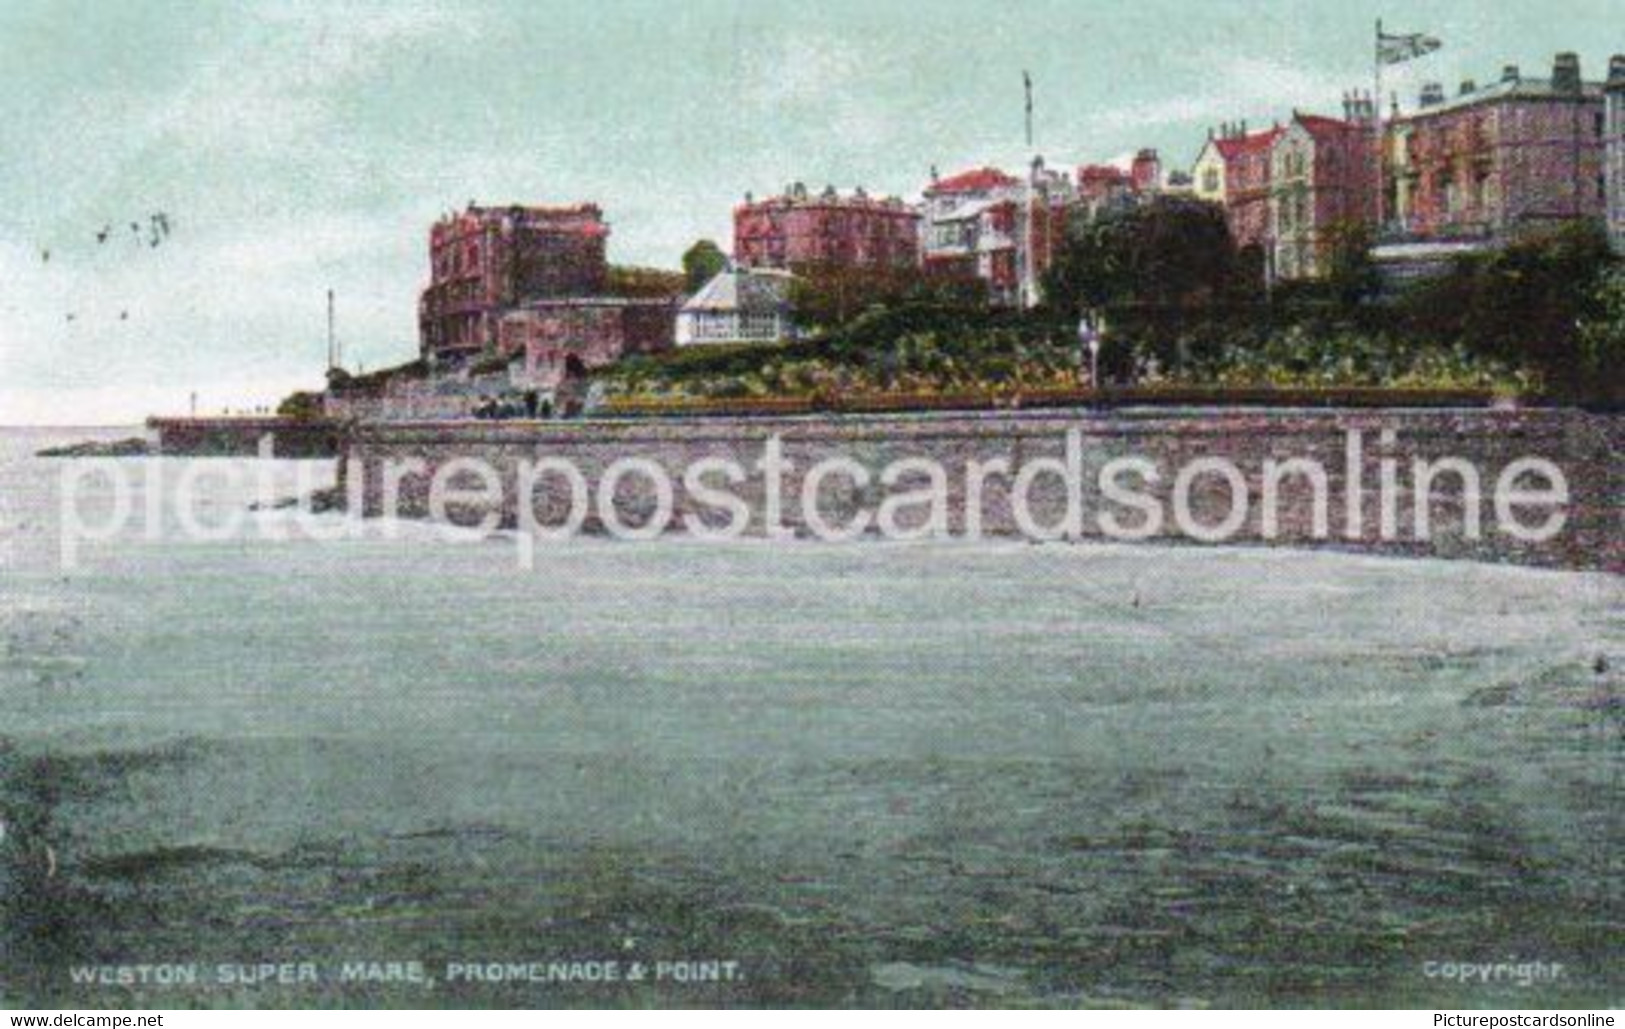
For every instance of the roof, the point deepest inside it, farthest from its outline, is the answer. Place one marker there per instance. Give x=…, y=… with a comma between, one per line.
x=1507, y=89
x=743, y=289
x=1102, y=173
x=978, y=180
x=1319, y=126
x=1240, y=146
x=972, y=209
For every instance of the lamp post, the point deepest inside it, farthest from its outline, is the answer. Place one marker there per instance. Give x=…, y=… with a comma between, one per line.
x=1089, y=331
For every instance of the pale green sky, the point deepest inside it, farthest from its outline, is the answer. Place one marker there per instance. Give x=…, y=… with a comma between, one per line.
x=297, y=146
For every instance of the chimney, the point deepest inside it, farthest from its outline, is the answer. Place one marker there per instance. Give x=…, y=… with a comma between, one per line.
x=1510, y=73
x=1616, y=73
x=934, y=175
x=1468, y=87
x=1566, y=73
x=1147, y=171
x=1432, y=94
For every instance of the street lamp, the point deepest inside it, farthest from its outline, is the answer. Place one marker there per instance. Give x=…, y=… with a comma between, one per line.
x=1089, y=331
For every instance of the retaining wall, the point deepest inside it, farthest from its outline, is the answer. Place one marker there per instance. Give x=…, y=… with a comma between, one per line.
x=1585, y=448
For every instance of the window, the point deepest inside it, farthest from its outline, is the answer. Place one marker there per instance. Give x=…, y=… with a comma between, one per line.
x=1602, y=122
x=1210, y=180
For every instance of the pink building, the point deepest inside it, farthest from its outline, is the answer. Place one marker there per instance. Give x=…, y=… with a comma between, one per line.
x=485, y=261
x=594, y=331
x=1234, y=170
x=989, y=225
x=1614, y=145
x=1496, y=161
x=971, y=229
x=1146, y=173
x=1322, y=181
x=1103, y=187
x=799, y=230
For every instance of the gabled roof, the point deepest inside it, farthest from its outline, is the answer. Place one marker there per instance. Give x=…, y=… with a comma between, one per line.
x=1102, y=173
x=977, y=180
x=743, y=289
x=1322, y=127
x=1240, y=146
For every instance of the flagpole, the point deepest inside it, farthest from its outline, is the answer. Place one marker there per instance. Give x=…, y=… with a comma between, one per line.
x=1376, y=68
x=1027, y=287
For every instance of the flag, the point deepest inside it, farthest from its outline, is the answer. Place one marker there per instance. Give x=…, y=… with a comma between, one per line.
x=1027, y=84
x=1392, y=49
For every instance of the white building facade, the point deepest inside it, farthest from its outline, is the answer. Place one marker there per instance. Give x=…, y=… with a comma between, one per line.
x=739, y=305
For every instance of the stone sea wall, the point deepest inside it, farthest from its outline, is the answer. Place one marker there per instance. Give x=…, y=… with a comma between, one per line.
x=1068, y=450
x=291, y=438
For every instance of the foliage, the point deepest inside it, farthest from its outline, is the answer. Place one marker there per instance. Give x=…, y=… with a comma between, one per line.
x=303, y=405
x=1544, y=316
x=642, y=283
x=1524, y=304
x=1602, y=339
x=341, y=381
x=702, y=262
x=827, y=297
x=1352, y=275
x=1170, y=253
x=1298, y=357
x=912, y=345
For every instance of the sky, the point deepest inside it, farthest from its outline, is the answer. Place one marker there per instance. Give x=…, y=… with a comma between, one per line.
x=300, y=147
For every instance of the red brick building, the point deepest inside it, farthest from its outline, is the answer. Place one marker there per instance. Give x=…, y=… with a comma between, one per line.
x=1322, y=179
x=989, y=225
x=1614, y=145
x=596, y=331
x=1101, y=182
x=1145, y=175
x=800, y=230
x=1234, y=170
x=1496, y=161
x=970, y=228
x=485, y=261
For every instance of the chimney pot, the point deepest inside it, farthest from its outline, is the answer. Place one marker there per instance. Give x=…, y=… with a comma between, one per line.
x=1510, y=73
x=1566, y=73
x=1468, y=86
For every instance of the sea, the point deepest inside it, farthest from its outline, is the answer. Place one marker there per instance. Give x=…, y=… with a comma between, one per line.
x=400, y=769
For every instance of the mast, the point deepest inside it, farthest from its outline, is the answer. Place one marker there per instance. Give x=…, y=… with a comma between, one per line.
x=1376, y=123
x=1028, y=286
x=332, y=339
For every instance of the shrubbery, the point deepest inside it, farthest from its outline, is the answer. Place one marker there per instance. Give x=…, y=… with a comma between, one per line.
x=1542, y=317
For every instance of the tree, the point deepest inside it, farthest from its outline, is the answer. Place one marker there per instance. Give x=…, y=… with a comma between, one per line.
x=1602, y=341
x=302, y=406
x=1170, y=253
x=645, y=283
x=830, y=297
x=1351, y=274
x=1527, y=305
x=703, y=262
x=1157, y=270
